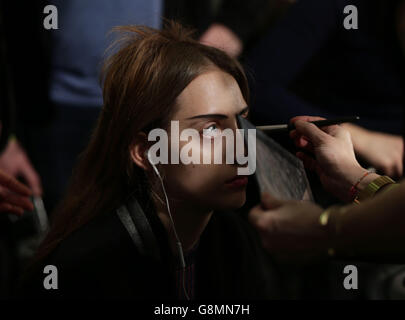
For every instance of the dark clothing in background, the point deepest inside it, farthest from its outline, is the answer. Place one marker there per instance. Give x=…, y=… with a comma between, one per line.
x=309, y=64
x=9, y=267
x=247, y=19
x=10, y=54
x=101, y=260
x=58, y=144
x=80, y=43
x=5, y=89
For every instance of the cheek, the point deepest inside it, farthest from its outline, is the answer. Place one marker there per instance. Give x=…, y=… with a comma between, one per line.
x=204, y=185
x=194, y=180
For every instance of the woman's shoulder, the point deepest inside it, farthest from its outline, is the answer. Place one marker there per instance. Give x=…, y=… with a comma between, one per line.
x=113, y=255
x=87, y=262
x=102, y=237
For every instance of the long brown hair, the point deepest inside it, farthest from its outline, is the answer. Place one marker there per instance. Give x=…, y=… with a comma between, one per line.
x=142, y=78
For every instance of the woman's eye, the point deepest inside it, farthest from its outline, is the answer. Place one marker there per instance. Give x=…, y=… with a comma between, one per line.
x=211, y=130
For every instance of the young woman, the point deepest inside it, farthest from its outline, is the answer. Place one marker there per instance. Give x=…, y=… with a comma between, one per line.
x=114, y=234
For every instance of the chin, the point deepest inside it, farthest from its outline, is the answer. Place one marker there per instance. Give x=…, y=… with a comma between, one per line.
x=233, y=201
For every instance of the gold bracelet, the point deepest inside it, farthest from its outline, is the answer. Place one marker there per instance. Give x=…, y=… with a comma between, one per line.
x=324, y=220
x=324, y=217
x=372, y=188
x=335, y=214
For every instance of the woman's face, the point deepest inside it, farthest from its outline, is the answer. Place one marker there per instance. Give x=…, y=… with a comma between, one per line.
x=211, y=101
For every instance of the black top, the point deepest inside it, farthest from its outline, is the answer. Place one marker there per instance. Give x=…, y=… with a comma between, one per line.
x=309, y=64
x=101, y=260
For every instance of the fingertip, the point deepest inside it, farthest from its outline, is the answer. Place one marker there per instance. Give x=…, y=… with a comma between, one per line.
x=292, y=120
x=19, y=212
x=293, y=133
x=255, y=213
x=262, y=224
x=269, y=202
x=31, y=207
x=25, y=203
x=36, y=190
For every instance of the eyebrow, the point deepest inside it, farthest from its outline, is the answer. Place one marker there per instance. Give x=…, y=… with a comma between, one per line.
x=217, y=115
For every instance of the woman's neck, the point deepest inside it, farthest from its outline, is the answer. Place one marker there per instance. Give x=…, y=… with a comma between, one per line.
x=188, y=221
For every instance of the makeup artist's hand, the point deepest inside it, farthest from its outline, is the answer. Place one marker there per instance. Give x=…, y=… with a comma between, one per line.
x=289, y=229
x=14, y=196
x=382, y=151
x=329, y=152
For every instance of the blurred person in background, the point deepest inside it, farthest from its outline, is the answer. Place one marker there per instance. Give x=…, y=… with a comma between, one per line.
x=13, y=158
x=238, y=25
x=14, y=165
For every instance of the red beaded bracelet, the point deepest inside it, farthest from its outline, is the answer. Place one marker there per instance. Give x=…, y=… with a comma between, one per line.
x=353, y=190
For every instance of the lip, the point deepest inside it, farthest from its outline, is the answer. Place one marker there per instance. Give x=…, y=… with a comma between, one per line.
x=237, y=182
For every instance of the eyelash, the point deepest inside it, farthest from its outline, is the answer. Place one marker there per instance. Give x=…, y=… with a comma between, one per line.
x=244, y=115
x=208, y=126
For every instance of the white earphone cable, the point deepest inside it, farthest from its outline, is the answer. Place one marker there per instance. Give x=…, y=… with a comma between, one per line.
x=178, y=243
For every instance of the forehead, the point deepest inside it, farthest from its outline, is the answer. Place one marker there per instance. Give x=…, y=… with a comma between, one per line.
x=214, y=91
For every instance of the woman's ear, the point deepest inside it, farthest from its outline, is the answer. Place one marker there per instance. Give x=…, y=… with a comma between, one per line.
x=138, y=151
